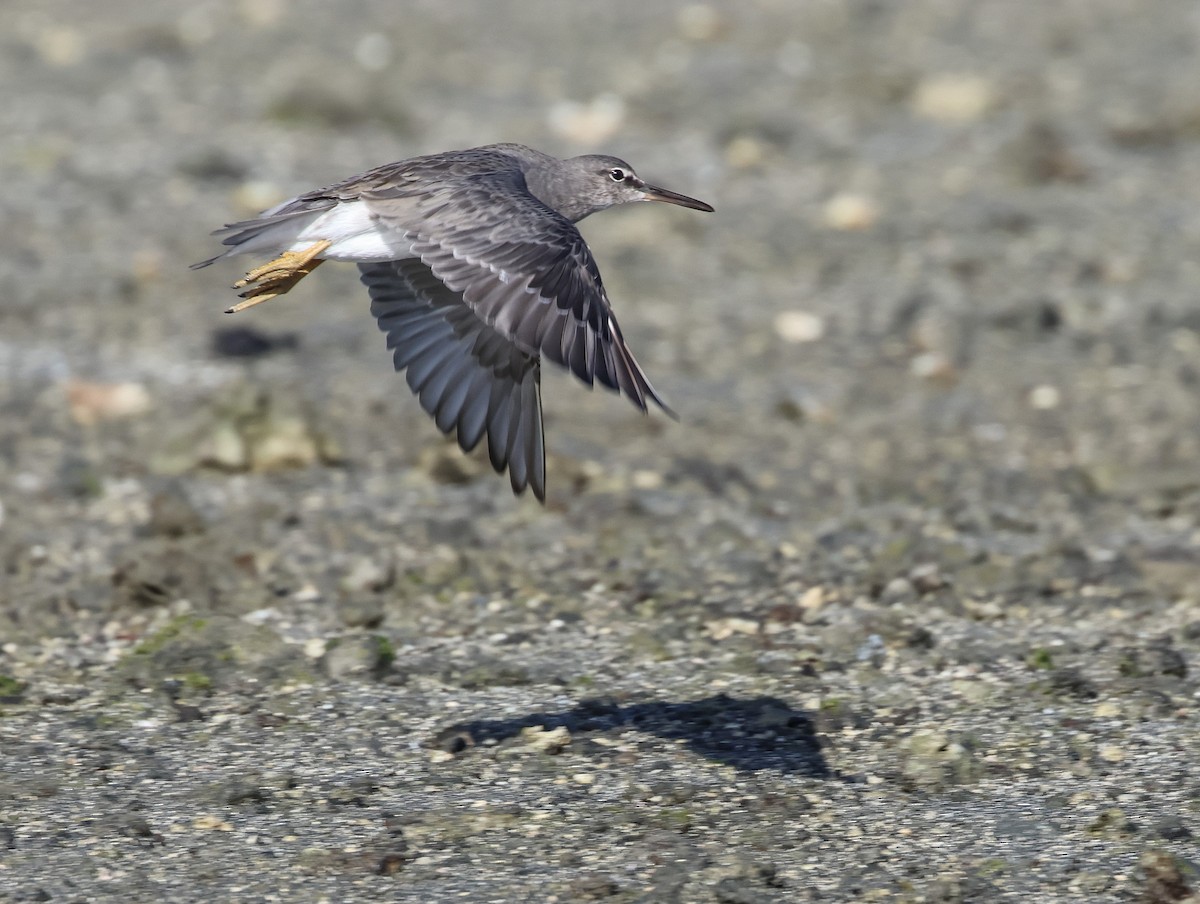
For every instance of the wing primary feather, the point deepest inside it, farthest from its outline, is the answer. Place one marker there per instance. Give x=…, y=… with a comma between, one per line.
x=498, y=424
x=422, y=368
x=473, y=420
x=454, y=394
x=409, y=349
x=537, y=439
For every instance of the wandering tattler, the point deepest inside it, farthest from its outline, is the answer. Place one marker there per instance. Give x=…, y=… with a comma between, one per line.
x=475, y=271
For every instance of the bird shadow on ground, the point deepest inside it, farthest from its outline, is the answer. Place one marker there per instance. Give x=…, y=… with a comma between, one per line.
x=751, y=735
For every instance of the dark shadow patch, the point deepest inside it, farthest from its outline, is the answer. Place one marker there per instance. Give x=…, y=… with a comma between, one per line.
x=755, y=734
x=248, y=342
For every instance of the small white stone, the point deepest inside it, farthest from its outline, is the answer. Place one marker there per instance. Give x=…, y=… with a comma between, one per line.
x=1044, y=397
x=314, y=647
x=1111, y=753
x=61, y=45
x=551, y=740
x=27, y=482
x=953, y=98
x=721, y=628
x=932, y=366
x=850, y=212
x=647, y=480
x=799, y=326
x=813, y=598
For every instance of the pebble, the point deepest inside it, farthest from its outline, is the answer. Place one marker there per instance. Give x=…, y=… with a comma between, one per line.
x=812, y=599
x=722, y=628
x=283, y=442
x=1044, y=397
x=745, y=152
x=357, y=656
x=647, y=480
x=1111, y=753
x=934, y=759
x=365, y=574
x=850, y=212
x=223, y=448
x=932, y=366
x=211, y=823
x=91, y=403
x=61, y=46
x=546, y=740
x=314, y=647
x=799, y=327
x=953, y=98
x=588, y=123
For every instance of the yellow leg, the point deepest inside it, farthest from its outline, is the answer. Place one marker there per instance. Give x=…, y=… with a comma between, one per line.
x=278, y=276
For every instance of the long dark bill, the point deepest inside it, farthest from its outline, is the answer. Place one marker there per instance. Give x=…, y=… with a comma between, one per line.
x=654, y=193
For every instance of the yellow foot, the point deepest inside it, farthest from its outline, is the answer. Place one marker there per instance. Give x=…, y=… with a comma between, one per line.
x=278, y=276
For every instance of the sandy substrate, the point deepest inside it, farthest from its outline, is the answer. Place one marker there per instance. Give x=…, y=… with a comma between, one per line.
x=906, y=607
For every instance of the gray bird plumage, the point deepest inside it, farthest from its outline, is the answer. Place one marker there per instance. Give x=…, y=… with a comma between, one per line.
x=475, y=271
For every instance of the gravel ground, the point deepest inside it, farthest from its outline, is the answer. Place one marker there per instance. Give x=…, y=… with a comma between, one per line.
x=905, y=608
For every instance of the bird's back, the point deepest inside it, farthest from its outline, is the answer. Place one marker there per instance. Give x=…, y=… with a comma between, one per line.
x=419, y=173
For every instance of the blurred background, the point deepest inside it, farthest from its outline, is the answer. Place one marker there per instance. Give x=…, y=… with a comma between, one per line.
x=918, y=566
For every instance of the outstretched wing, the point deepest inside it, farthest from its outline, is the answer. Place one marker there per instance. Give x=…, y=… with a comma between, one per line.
x=467, y=375
x=523, y=269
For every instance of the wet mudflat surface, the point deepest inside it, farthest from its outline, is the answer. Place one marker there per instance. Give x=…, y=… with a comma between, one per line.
x=906, y=607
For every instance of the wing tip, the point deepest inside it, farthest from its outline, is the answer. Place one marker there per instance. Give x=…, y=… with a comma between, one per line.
x=666, y=409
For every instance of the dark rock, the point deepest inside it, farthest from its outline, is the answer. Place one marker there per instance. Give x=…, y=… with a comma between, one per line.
x=242, y=789
x=249, y=342
x=135, y=826
x=1172, y=828
x=392, y=862
x=212, y=165
x=594, y=888
x=1070, y=681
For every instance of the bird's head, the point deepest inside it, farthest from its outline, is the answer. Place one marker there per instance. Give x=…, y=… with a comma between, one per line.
x=584, y=185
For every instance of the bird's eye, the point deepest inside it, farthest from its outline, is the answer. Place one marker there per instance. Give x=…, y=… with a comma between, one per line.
x=617, y=174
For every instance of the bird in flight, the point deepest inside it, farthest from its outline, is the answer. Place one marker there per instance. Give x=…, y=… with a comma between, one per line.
x=476, y=272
